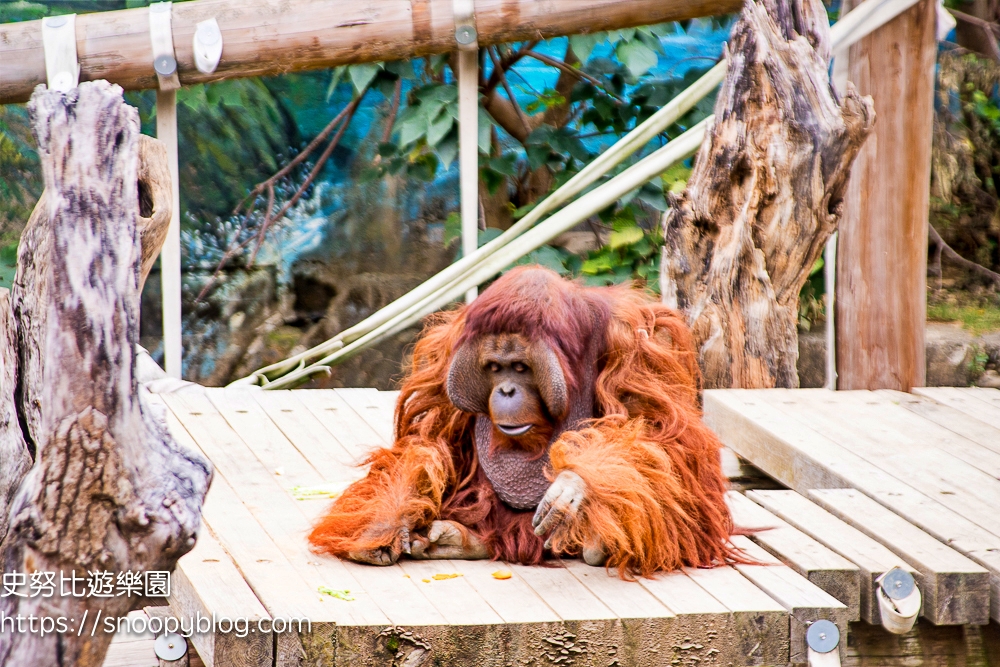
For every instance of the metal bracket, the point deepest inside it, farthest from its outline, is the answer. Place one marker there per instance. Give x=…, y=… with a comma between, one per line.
x=62, y=69
x=207, y=46
x=162, y=39
x=898, y=600
x=465, y=25
x=822, y=640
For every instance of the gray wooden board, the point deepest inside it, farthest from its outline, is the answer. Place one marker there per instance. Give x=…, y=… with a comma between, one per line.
x=372, y=408
x=805, y=602
x=942, y=414
x=871, y=557
x=979, y=404
x=208, y=583
x=762, y=624
x=802, y=458
x=820, y=565
x=379, y=590
x=341, y=421
x=956, y=591
x=909, y=447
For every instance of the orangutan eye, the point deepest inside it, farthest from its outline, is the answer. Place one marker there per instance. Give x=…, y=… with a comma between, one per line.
x=494, y=367
x=519, y=367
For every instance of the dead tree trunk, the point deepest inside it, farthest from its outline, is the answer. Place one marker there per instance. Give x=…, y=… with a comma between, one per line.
x=109, y=489
x=765, y=194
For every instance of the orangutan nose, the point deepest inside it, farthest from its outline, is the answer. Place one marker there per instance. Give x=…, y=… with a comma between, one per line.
x=507, y=390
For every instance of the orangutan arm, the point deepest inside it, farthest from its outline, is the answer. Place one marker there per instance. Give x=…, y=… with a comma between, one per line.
x=638, y=505
x=372, y=520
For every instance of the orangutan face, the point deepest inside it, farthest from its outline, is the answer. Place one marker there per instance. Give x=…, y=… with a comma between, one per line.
x=519, y=384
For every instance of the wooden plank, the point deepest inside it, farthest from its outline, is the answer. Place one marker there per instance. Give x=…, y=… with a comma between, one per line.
x=823, y=567
x=871, y=557
x=804, y=601
x=456, y=600
x=285, y=521
x=882, y=238
x=795, y=454
x=699, y=613
x=207, y=583
x=319, y=447
x=972, y=402
x=682, y=596
x=370, y=407
x=286, y=578
x=897, y=429
x=760, y=624
x=274, y=36
x=956, y=591
x=563, y=593
x=513, y=599
x=903, y=451
x=627, y=599
x=263, y=438
x=352, y=432
x=974, y=427
x=132, y=649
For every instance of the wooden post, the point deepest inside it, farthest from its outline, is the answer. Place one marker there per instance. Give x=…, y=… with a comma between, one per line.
x=109, y=489
x=882, y=247
x=170, y=256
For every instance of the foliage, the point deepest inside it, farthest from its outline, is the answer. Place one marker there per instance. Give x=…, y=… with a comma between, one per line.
x=975, y=318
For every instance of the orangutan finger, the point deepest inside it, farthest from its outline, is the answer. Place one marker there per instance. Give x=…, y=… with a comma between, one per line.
x=445, y=533
x=404, y=536
x=552, y=520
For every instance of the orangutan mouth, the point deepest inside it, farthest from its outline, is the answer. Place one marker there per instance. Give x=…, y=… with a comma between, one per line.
x=514, y=431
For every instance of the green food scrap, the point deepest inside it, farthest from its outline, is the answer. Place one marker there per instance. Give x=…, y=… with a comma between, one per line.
x=344, y=595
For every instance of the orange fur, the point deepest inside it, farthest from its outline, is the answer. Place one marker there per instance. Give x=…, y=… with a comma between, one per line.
x=655, y=488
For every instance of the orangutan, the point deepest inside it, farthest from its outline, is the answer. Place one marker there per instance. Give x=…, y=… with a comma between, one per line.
x=545, y=417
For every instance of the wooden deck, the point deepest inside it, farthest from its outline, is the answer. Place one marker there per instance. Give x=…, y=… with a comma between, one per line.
x=877, y=479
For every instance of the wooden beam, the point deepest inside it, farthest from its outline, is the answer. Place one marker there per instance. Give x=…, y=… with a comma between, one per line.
x=882, y=247
x=264, y=37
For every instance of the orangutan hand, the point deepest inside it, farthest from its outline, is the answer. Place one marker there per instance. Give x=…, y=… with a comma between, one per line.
x=448, y=539
x=386, y=555
x=559, y=504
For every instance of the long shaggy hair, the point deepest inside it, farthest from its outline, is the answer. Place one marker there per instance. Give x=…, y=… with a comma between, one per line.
x=655, y=488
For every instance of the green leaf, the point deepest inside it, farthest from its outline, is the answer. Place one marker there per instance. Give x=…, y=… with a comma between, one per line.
x=625, y=237
x=816, y=267
x=452, y=228
x=439, y=129
x=596, y=265
x=335, y=79
x=363, y=73
x=411, y=128
x=447, y=150
x=637, y=57
x=583, y=45
x=549, y=257
x=487, y=235
x=485, y=131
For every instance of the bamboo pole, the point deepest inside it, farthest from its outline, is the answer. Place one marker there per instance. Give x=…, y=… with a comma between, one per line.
x=266, y=37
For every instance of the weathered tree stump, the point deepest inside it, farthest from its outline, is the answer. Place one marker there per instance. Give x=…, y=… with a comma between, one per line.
x=765, y=194
x=109, y=489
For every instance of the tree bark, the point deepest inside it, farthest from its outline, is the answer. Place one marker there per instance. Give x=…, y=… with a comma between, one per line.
x=765, y=194
x=110, y=490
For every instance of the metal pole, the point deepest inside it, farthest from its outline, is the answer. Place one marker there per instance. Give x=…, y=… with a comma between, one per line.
x=468, y=153
x=170, y=255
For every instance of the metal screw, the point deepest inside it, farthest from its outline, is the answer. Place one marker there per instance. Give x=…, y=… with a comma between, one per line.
x=465, y=34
